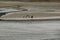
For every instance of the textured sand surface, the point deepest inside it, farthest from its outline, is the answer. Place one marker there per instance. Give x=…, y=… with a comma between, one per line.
x=37, y=4
x=29, y=30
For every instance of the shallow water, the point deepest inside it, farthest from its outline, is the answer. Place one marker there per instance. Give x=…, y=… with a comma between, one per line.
x=29, y=30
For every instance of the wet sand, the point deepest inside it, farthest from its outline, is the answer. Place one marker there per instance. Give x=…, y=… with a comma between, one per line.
x=30, y=30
